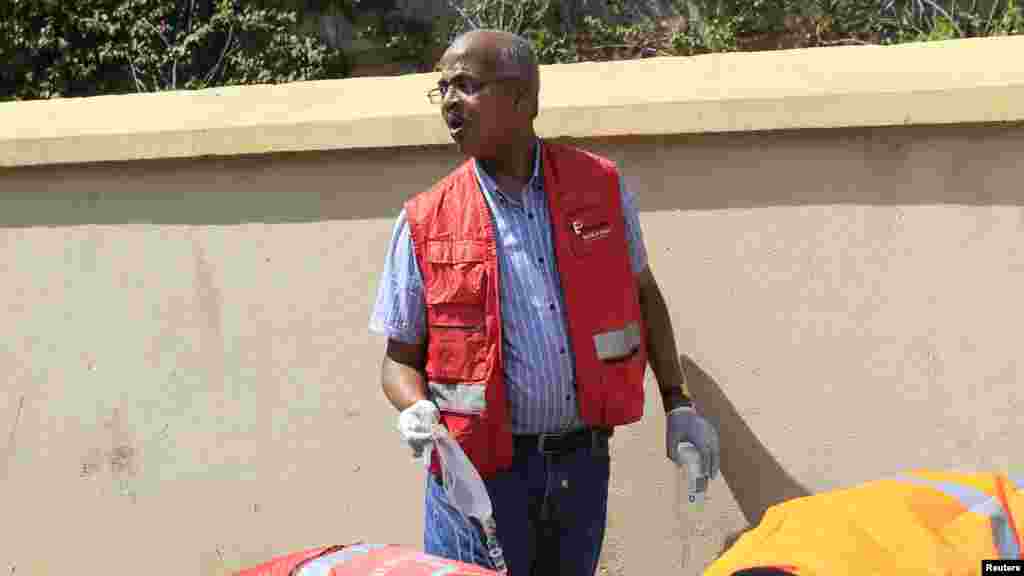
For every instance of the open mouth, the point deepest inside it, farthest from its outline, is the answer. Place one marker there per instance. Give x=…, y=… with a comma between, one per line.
x=455, y=123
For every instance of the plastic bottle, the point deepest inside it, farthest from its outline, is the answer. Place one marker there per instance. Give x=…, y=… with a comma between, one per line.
x=493, y=547
x=696, y=479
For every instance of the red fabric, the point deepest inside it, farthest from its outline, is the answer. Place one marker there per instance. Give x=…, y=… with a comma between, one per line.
x=455, y=247
x=454, y=242
x=283, y=565
x=597, y=279
x=393, y=560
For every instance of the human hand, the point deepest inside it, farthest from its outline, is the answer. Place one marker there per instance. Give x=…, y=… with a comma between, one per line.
x=416, y=424
x=685, y=425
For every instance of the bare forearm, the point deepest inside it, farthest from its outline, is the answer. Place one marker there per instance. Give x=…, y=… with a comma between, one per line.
x=401, y=374
x=403, y=385
x=661, y=347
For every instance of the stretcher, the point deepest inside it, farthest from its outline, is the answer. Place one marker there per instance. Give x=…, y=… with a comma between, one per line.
x=363, y=560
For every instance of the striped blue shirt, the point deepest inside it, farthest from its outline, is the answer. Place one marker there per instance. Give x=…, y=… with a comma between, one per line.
x=538, y=367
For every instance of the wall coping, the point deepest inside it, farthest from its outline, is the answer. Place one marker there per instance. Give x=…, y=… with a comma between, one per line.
x=949, y=82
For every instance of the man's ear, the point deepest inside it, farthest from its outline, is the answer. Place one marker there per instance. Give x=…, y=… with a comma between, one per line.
x=522, y=98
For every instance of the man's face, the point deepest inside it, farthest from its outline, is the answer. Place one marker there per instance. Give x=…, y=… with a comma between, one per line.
x=479, y=107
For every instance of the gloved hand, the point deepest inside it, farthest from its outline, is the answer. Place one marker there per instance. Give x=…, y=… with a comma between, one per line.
x=685, y=425
x=416, y=424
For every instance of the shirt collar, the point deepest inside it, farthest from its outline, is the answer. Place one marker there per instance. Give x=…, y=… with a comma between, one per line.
x=490, y=186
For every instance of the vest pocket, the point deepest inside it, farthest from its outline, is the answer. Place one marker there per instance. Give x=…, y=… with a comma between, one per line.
x=457, y=348
x=455, y=283
x=456, y=272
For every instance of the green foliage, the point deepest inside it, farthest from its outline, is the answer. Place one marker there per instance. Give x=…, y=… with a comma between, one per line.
x=50, y=48
x=404, y=39
x=304, y=8
x=551, y=47
x=517, y=17
x=914, y=21
x=541, y=22
x=730, y=25
x=536, y=20
x=739, y=24
x=54, y=48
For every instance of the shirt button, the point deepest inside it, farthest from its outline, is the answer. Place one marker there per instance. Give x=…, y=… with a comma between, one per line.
x=562, y=351
x=530, y=215
x=568, y=396
x=541, y=259
x=551, y=306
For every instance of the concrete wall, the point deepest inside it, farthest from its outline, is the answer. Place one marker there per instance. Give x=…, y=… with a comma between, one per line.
x=189, y=385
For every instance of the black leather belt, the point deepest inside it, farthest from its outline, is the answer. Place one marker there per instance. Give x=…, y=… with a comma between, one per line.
x=562, y=443
x=596, y=439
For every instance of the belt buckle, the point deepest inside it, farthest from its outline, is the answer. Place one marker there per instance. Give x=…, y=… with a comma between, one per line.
x=542, y=439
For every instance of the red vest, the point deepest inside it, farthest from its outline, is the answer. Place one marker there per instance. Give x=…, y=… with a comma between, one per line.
x=455, y=245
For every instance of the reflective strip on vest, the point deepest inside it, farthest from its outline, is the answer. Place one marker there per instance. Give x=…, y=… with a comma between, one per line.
x=323, y=565
x=978, y=502
x=617, y=344
x=464, y=398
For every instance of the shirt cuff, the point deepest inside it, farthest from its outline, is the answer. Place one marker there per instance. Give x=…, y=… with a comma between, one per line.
x=404, y=334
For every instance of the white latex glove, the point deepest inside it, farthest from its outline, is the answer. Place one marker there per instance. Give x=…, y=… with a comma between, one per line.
x=685, y=425
x=416, y=424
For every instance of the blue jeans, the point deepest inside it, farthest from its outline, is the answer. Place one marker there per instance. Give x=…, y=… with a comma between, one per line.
x=550, y=510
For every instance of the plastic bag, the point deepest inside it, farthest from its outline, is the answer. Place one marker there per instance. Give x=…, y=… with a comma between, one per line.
x=463, y=484
x=467, y=493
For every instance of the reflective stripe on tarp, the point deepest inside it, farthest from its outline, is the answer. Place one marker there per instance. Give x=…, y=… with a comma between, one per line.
x=464, y=398
x=616, y=344
x=980, y=503
x=322, y=566
x=968, y=496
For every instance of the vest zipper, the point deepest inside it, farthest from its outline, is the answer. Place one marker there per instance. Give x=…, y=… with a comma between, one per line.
x=463, y=327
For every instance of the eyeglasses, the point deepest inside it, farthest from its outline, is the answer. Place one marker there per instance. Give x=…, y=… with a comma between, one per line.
x=465, y=85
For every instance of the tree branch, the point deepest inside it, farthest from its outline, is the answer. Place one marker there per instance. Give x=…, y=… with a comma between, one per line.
x=462, y=12
x=139, y=86
x=840, y=41
x=946, y=15
x=223, y=54
x=157, y=31
x=174, y=62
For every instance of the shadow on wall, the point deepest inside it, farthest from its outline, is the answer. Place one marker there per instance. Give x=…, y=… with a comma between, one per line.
x=914, y=165
x=269, y=189
x=885, y=166
x=754, y=476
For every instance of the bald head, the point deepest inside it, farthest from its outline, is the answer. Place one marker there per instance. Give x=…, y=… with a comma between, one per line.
x=500, y=53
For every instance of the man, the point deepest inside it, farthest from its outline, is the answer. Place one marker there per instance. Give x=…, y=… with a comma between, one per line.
x=521, y=313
